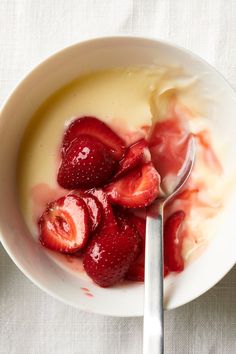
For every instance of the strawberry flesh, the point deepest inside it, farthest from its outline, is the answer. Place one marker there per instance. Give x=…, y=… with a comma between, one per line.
x=97, y=129
x=137, y=189
x=87, y=163
x=63, y=226
x=173, y=242
x=135, y=154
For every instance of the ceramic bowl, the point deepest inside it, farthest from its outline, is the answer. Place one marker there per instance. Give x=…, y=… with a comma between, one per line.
x=28, y=255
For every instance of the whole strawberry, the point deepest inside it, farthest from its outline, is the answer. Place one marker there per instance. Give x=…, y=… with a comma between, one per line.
x=110, y=254
x=87, y=163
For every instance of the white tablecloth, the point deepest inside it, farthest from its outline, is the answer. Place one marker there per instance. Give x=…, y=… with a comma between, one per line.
x=30, y=30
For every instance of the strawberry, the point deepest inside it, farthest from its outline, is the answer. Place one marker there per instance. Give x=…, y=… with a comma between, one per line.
x=109, y=255
x=137, y=189
x=108, y=217
x=97, y=129
x=173, y=241
x=136, y=270
x=135, y=154
x=63, y=226
x=87, y=163
x=94, y=209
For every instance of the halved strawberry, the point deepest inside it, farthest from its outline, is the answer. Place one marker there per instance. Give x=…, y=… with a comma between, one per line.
x=97, y=129
x=135, y=154
x=109, y=255
x=137, y=189
x=94, y=209
x=173, y=242
x=87, y=163
x=64, y=224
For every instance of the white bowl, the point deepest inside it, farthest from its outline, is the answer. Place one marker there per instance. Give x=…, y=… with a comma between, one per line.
x=29, y=256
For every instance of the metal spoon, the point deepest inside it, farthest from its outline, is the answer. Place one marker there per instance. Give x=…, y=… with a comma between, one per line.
x=153, y=336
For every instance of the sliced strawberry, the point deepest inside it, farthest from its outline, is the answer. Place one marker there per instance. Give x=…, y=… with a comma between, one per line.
x=135, y=154
x=137, y=189
x=63, y=226
x=87, y=163
x=109, y=255
x=168, y=145
x=108, y=217
x=173, y=242
x=94, y=209
x=136, y=270
x=95, y=128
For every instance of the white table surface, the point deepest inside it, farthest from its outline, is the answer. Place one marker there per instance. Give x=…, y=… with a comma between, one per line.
x=31, y=322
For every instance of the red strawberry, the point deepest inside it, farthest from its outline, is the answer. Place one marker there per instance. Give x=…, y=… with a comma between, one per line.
x=108, y=217
x=173, y=241
x=137, y=189
x=63, y=226
x=109, y=255
x=94, y=209
x=136, y=270
x=136, y=153
x=86, y=164
x=97, y=129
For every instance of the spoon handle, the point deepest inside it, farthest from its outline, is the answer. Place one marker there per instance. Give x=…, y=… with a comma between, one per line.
x=153, y=336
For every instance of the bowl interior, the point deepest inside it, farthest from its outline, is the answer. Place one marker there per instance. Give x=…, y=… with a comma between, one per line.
x=35, y=262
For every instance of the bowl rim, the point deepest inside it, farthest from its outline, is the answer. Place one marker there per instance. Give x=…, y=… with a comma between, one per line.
x=30, y=73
